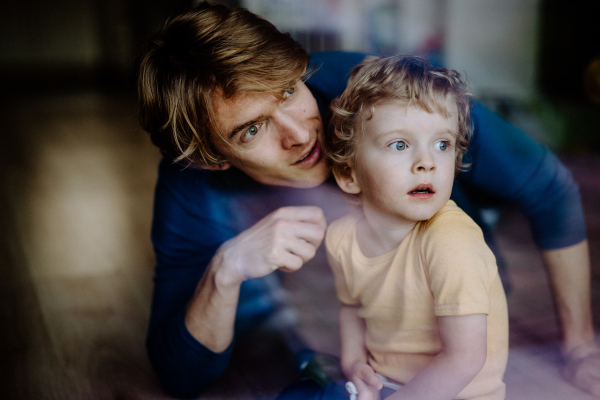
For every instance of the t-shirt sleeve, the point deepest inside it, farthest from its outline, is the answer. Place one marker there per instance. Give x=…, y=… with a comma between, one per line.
x=459, y=264
x=336, y=239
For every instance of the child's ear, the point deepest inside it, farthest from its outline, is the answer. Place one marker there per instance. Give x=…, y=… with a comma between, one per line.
x=346, y=180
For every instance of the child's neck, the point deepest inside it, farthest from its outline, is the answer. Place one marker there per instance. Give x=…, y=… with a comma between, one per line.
x=377, y=236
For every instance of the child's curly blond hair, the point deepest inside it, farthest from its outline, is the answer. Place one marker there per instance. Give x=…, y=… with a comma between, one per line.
x=408, y=79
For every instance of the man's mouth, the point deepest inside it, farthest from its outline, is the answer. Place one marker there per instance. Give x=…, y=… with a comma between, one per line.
x=311, y=156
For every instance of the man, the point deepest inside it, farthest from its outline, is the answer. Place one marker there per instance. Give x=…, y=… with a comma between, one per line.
x=238, y=112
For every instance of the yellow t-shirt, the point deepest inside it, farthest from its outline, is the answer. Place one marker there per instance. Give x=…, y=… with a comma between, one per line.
x=443, y=267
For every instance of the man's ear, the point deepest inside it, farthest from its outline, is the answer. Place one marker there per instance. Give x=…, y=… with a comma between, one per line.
x=218, y=167
x=346, y=180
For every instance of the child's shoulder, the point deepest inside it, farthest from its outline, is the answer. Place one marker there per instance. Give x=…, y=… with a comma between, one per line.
x=451, y=219
x=449, y=211
x=340, y=229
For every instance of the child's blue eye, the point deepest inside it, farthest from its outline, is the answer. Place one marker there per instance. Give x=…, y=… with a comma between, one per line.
x=400, y=145
x=442, y=145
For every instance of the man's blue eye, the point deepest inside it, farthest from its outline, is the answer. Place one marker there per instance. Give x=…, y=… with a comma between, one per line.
x=443, y=145
x=288, y=92
x=252, y=131
x=400, y=145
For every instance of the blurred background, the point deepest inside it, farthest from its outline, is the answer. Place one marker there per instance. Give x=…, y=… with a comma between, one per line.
x=77, y=173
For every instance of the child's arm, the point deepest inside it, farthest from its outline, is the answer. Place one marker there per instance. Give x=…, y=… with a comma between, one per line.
x=464, y=342
x=354, y=354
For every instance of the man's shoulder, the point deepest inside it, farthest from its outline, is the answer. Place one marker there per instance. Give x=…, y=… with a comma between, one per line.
x=179, y=173
x=331, y=71
x=191, y=179
x=330, y=59
x=201, y=194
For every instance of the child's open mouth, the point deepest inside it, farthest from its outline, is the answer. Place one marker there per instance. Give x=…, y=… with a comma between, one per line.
x=422, y=191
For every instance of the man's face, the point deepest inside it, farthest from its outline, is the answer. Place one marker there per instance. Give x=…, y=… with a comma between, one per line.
x=275, y=142
x=404, y=166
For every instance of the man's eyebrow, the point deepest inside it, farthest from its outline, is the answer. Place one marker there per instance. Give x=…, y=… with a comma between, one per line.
x=244, y=125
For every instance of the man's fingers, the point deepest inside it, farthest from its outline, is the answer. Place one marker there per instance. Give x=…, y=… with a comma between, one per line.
x=285, y=239
x=290, y=230
x=585, y=373
x=295, y=255
x=290, y=262
x=309, y=214
x=310, y=233
x=588, y=382
x=302, y=249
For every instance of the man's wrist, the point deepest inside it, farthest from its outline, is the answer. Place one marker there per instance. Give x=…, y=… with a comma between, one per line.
x=225, y=275
x=577, y=340
x=210, y=314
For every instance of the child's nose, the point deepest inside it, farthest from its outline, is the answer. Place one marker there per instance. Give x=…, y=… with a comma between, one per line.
x=424, y=162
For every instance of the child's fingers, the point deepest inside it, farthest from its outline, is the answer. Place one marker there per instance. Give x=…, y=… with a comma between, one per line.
x=373, y=381
x=366, y=392
x=367, y=375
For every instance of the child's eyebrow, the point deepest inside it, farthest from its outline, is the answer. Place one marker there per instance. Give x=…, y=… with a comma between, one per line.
x=453, y=132
x=393, y=132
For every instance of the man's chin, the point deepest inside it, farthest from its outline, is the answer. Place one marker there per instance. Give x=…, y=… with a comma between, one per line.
x=316, y=179
x=301, y=182
x=304, y=183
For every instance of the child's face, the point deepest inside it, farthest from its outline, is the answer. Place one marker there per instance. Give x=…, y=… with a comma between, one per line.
x=404, y=166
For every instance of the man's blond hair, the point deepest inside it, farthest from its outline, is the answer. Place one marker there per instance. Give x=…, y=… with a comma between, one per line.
x=212, y=50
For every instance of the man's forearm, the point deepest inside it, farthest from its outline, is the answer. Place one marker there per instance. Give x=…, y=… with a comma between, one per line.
x=569, y=272
x=284, y=240
x=210, y=314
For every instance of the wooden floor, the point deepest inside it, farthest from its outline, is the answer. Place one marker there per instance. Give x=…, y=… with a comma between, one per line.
x=76, y=182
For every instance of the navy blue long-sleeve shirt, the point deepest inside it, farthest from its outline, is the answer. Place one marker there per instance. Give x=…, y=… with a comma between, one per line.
x=197, y=210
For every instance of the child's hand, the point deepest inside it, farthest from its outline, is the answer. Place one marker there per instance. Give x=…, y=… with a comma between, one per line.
x=367, y=383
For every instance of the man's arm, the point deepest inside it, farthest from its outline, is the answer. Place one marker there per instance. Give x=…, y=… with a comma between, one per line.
x=199, y=219
x=354, y=354
x=285, y=239
x=190, y=345
x=515, y=169
x=569, y=273
x=464, y=351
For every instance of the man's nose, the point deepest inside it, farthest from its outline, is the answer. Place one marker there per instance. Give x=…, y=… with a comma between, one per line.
x=292, y=130
x=424, y=161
